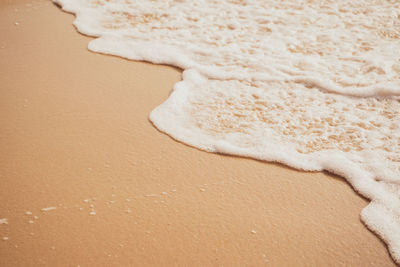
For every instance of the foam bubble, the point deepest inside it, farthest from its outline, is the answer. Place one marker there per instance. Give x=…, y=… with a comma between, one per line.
x=311, y=84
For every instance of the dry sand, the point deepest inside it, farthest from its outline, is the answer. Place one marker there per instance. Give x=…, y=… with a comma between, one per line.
x=75, y=135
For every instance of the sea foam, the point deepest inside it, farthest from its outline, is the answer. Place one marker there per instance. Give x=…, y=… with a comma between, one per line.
x=311, y=84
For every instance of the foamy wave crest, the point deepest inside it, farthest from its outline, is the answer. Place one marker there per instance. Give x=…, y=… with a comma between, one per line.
x=311, y=84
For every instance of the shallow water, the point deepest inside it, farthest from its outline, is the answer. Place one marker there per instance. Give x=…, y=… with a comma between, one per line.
x=311, y=84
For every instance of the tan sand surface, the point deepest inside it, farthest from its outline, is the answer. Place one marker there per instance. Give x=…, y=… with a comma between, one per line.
x=75, y=135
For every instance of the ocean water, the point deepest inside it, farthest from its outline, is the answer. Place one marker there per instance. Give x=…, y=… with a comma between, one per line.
x=313, y=84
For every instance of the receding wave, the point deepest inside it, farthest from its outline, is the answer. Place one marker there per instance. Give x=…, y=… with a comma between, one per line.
x=311, y=84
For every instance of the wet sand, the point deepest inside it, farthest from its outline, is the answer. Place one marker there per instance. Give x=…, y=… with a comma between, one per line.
x=75, y=135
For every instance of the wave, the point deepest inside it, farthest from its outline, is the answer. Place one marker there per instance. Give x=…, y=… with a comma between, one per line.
x=311, y=84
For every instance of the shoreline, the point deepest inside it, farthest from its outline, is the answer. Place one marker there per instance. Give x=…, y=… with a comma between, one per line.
x=76, y=136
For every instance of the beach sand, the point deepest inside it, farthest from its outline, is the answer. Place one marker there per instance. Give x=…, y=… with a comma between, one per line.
x=75, y=135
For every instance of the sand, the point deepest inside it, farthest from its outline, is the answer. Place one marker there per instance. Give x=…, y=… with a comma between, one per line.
x=87, y=180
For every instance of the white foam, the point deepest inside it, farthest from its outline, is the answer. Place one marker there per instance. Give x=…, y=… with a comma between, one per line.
x=311, y=84
x=48, y=209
